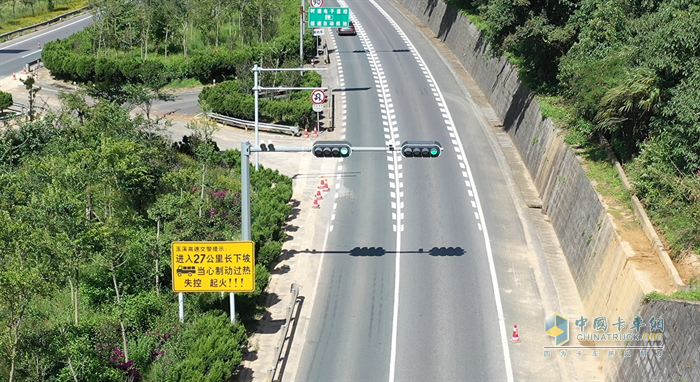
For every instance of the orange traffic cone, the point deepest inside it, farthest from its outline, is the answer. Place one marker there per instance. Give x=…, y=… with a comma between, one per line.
x=38, y=45
x=318, y=195
x=316, y=205
x=516, y=337
x=316, y=132
x=14, y=77
x=323, y=185
x=25, y=69
x=306, y=132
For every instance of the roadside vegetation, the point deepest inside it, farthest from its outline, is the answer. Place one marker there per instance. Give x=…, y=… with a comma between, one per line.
x=154, y=46
x=625, y=70
x=692, y=295
x=16, y=14
x=92, y=197
x=5, y=100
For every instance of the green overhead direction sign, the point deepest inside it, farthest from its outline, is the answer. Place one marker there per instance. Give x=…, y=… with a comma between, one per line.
x=329, y=17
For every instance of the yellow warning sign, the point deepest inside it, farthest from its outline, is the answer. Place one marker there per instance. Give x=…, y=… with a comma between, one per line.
x=213, y=266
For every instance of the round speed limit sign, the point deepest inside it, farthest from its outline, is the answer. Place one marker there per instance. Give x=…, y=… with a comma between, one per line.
x=318, y=96
x=316, y=3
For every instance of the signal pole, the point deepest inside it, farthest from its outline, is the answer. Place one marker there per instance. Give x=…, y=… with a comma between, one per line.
x=257, y=88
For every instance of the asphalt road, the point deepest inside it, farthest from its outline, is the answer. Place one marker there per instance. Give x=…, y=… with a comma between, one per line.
x=14, y=54
x=419, y=275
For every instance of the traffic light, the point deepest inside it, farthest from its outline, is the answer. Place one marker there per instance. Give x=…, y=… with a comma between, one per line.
x=422, y=149
x=331, y=149
x=268, y=147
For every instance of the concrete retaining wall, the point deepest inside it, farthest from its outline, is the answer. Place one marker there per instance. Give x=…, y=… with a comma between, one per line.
x=600, y=263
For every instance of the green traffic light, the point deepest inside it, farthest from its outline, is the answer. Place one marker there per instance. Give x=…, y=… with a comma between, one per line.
x=332, y=149
x=421, y=149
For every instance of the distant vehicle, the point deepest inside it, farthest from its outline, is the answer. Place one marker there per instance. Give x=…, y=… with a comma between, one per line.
x=190, y=270
x=348, y=30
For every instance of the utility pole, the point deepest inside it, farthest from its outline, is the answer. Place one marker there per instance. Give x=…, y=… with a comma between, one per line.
x=256, y=91
x=301, y=33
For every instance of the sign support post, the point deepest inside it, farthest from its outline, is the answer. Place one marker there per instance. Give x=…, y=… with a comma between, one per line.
x=245, y=199
x=302, y=11
x=181, y=310
x=256, y=90
x=318, y=97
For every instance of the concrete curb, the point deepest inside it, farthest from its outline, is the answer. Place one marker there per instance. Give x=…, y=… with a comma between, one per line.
x=645, y=222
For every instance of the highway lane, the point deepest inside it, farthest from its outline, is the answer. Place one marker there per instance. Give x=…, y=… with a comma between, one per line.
x=14, y=54
x=447, y=288
x=460, y=255
x=514, y=262
x=352, y=314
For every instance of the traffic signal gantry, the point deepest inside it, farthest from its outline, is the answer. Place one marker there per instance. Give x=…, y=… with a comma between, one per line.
x=343, y=149
x=321, y=149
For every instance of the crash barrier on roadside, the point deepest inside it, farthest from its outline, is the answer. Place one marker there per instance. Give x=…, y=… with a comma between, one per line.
x=17, y=110
x=31, y=28
x=283, y=331
x=294, y=130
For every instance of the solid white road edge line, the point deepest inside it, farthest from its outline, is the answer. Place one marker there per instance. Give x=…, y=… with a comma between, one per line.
x=45, y=33
x=487, y=242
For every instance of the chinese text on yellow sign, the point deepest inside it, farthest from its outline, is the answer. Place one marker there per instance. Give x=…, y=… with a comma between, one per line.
x=213, y=266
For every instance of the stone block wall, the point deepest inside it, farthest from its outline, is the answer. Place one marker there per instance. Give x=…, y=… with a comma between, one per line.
x=680, y=360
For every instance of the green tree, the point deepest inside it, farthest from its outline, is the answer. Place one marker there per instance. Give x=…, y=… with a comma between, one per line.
x=32, y=90
x=536, y=32
x=204, y=148
x=625, y=110
x=5, y=100
x=208, y=350
x=27, y=272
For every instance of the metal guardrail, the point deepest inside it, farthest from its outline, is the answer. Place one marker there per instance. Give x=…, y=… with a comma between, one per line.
x=285, y=328
x=294, y=130
x=15, y=113
x=8, y=35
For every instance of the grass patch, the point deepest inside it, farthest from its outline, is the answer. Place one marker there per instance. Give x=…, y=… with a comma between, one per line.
x=554, y=107
x=477, y=21
x=606, y=180
x=185, y=83
x=11, y=25
x=606, y=175
x=692, y=295
x=577, y=134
